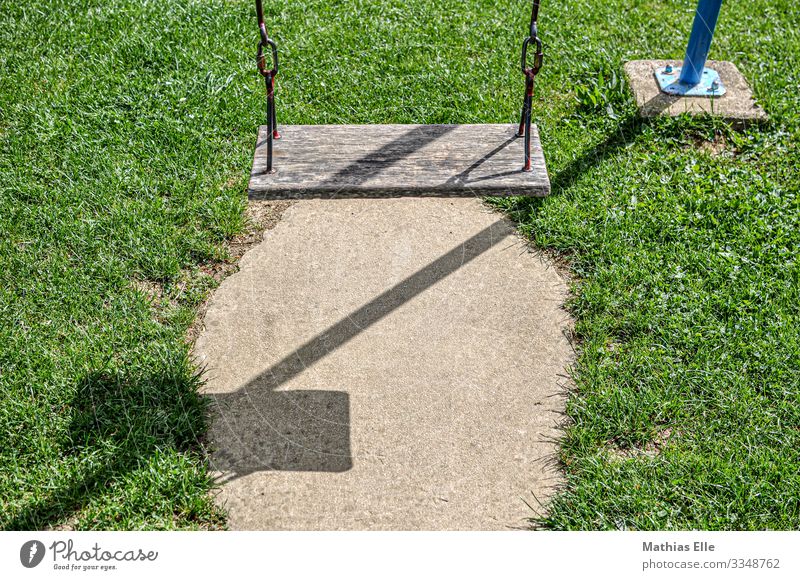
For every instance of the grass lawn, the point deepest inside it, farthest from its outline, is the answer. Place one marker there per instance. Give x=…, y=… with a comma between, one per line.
x=126, y=134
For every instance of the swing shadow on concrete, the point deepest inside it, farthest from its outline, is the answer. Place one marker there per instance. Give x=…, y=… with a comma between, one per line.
x=258, y=428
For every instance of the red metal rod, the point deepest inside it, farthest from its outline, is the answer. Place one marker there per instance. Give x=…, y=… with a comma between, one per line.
x=269, y=80
x=530, y=73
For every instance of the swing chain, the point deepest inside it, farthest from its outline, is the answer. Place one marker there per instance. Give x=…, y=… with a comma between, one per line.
x=533, y=37
x=530, y=75
x=264, y=42
x=269, y=80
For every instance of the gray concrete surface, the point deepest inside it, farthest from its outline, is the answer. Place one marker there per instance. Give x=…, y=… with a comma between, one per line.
x=736, y=105
x=387, y=364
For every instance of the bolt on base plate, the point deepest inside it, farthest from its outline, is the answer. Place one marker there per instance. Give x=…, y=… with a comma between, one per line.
x=710, y=84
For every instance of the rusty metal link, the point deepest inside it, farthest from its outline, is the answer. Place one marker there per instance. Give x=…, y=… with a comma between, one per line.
x=261, y=58
x=530, y=73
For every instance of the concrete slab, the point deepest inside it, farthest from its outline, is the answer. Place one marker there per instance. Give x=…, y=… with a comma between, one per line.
x=375, y=161
x=736, y=106
x=387, y=364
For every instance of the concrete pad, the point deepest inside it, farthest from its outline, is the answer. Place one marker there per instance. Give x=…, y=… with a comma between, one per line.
x=387, y=364
x=736, y=106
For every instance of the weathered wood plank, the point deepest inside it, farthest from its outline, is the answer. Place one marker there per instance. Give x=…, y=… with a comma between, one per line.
x=333, y=161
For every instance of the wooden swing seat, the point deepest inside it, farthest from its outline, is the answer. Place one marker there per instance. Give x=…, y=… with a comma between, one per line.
x=341, y=161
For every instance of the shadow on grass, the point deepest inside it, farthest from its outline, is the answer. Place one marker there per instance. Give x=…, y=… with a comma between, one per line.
x=626, y=131
x=623, y=134
x=119, y=423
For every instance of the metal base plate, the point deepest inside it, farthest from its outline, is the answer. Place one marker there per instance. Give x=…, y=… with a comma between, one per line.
x=332, y=161
x=736, y=106
x=710, y=84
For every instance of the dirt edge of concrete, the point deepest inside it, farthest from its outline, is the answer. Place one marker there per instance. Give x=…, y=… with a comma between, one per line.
x=260, y=216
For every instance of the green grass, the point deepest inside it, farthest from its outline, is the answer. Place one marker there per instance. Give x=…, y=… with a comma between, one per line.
x=126, y=131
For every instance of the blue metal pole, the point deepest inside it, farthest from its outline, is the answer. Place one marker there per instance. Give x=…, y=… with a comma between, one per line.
x=705, y=20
